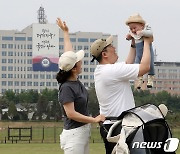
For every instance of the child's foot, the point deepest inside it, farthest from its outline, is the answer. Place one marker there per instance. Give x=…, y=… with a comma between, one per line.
x=140, y=82
x=150, y=81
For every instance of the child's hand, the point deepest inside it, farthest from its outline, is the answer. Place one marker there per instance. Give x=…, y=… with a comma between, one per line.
x=128, y=37
x=139, y=33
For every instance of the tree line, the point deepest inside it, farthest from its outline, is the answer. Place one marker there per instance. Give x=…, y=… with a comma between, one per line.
x=46, y=103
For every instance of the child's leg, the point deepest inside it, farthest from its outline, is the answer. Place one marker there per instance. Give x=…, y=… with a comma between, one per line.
x=139, y=82
x=139, y=52
x=151, y=72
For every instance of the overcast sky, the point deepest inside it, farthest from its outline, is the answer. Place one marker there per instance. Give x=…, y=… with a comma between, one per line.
x=107, y=16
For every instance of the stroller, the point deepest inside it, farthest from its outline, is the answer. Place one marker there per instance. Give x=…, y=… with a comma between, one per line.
x=140, y=130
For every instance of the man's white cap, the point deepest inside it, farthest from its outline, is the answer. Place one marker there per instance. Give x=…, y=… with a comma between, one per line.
x=69, y=58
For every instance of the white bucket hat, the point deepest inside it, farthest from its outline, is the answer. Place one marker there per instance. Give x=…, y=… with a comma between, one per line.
x=69, y=58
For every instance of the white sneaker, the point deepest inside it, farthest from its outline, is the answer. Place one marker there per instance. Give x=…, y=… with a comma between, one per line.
x=140, y=82
x=150, y=81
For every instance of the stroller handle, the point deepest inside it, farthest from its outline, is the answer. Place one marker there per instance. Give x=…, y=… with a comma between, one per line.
x=112, y=118
x=107, y=118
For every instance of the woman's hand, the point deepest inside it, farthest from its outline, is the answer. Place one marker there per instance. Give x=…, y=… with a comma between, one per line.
x=62, y=25
x=100, y=118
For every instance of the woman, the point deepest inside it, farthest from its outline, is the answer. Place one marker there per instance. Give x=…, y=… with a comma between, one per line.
x=73, y=97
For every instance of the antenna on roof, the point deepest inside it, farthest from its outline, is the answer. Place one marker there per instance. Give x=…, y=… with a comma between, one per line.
x=41, y=16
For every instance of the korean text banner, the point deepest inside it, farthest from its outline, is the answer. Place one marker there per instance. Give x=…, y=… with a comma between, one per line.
x=45, y=47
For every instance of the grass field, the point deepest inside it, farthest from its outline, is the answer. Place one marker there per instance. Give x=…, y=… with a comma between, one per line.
x=49, y=147
x=95, y=148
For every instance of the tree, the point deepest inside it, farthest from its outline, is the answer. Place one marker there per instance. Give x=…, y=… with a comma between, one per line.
x=42, y=106
x=12, y=111
x=93, y=102
x=10, y=95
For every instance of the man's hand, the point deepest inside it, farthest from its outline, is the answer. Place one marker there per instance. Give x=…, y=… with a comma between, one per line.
x=149, y=39
x=62, y=25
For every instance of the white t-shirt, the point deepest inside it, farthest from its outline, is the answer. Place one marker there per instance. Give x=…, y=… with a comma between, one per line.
x=113, y=88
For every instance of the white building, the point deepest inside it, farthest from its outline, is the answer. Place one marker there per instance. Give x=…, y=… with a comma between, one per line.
x=16, y=71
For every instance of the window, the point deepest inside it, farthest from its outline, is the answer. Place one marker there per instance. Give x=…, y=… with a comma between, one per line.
x=86, y=77
x=10, y=46
x=29, y=61
x=80, y=76
x=10, y=68
x=42, y=83
x=4, y=60
x=86, y=62
x=29, y=68
x=86, y=84
x=54, y=84
x=92, y=40
x=42, y=76
x=86, y=54
x=29, y=46
x=86, y=69
x=29, y=83
x=35, y=76
x=48, y=83
x=29, y=76
x=86, y=47
x=4, y=46
x=3, y=75
x=73, y=39
x=16, y=83
x=82, y=39
x=10, y=61
x=29, y=38
x=92, y=69
x=79, y=47
x=61, y=47
x=92, y=63
x=29, y=53
x=92, y=77
x=20, y=38
x=7, y=38
x=48, y=76
x=3, y=68
x=10, y=53
x=35, y=83
x=10, y=75
x=61, y=39
x=10, y=83
x=4, y=53
x=3, y=83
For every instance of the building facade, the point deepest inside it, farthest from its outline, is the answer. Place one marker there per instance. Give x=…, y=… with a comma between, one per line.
x=167, y=78
x=16, y=71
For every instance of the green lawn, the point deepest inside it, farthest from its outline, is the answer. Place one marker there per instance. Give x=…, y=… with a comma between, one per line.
x=95, y=148
x=49, y=147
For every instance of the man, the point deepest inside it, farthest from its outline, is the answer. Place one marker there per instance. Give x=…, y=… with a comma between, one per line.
x=112, y=85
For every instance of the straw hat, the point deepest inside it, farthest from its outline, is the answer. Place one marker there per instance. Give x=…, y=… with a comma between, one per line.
x=135, y=18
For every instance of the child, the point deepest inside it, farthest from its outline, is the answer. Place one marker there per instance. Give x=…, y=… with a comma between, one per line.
x=138, y=30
